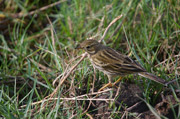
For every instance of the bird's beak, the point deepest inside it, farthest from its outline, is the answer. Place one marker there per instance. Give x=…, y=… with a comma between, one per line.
x=78, y=46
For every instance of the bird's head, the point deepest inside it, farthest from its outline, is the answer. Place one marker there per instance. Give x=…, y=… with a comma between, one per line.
x=90, y=46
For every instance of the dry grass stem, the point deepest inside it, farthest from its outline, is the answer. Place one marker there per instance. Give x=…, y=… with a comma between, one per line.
x=52, y=34
x=69, y=99
x=87, y=114
x=41, y=66
x=81, y=97
x=61, y=75
x=43, y=75
x=37, y=11
x=167, y=60
x=105, y=32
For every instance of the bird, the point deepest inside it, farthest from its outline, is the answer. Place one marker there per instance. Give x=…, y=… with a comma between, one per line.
x=112, y=63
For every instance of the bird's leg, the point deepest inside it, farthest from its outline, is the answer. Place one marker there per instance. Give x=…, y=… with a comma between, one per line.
x=120, y=78
x=110, y=84
x=107, y=85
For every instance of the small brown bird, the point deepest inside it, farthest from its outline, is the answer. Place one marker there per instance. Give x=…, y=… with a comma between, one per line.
x=112, y=63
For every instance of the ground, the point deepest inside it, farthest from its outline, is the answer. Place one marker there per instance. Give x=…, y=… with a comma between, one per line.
x=42, y=75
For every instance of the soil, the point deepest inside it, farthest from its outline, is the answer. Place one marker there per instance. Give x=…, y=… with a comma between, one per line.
x=129, y=104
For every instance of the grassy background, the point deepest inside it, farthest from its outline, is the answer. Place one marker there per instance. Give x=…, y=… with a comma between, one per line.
x=37, y=47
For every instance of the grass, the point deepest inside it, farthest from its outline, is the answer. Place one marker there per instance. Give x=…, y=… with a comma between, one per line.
x=37, y=48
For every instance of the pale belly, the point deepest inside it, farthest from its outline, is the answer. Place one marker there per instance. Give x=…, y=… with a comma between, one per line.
x=105, y=71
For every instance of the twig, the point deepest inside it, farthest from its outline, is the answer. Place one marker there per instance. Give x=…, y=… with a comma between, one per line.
x=101, y=23
x=63, y=74
x=73, y=98
x=105, y=32
x=117, y=28
x=94, y=76
x=124, y=115
x=108, y=113
x=41, y=66
x=66, y=70
x=85, y=112
x=69, y=99
x=89, y=115
x=166, y=60
x=130, y=108
x=47, y=52
x=52, y=34
x=95, y=93
x=117, y=92
x=64, y=78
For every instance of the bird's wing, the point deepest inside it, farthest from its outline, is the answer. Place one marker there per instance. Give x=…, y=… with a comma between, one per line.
x=111, y=60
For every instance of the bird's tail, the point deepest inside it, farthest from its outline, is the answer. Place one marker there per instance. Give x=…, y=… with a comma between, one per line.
x=154, y=78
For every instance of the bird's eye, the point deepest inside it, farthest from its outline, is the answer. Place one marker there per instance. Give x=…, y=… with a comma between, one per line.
x=87, y=47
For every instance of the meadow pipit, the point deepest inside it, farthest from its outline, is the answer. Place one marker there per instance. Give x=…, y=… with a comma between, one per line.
x=112, y=63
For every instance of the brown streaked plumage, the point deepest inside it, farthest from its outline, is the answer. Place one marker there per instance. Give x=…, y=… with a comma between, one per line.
x=112, y=63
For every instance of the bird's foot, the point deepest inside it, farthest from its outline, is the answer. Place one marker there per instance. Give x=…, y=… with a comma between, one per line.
x=107, y=85
x=114, y=84
x=111, y=84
